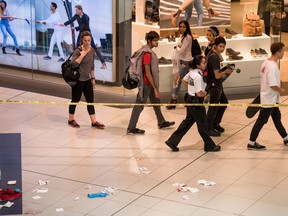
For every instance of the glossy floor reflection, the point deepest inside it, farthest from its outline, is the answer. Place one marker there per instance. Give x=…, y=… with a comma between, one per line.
x=86, y=160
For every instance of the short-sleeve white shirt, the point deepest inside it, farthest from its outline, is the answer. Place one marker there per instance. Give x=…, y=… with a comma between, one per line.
x=195, y=81
x=270, y=76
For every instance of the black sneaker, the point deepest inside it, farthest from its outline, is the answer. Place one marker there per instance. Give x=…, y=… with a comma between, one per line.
x=73, y=123
x=256, y=146
x=166, y=124
x=263, y=52
x=135, y=131
x=61, y=60
x=285, y=142
x=98, y=125
x=47, y=58
x=172, y=101
x=214, y=133
x=214, y=149
x=173, y=147
x=220, y=129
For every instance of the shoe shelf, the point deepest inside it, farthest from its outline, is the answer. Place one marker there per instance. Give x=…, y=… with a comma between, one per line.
x=249, y=65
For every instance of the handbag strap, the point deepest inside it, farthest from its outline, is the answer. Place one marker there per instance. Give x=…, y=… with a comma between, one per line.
x=73, y=53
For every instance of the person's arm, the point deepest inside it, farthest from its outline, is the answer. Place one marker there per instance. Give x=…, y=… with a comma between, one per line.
x=185, y=83
x=151, y=80
x=70, y=20
x=277, y=89
x=216, y=65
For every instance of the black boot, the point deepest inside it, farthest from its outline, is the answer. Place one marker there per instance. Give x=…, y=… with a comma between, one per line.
x=18, y=52
x=4, y=50
x=172, y=101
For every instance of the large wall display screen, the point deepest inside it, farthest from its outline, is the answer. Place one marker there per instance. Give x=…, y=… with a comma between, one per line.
x=36, y=27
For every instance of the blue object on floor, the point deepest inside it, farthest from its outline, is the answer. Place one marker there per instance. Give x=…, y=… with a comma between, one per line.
x=95, y=195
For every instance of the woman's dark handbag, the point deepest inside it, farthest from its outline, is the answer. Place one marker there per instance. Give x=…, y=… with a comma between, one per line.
x=71, y=75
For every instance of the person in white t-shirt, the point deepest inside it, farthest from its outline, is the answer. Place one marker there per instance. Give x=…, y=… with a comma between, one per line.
x=54, y=21
x=196, y=85
x=269, y=94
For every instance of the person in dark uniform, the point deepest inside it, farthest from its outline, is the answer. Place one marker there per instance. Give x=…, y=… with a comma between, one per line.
x=83, y=22
x=215, y=87
x=194, y=81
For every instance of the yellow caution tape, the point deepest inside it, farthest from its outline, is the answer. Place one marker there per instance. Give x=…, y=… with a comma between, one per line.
x=137, y=104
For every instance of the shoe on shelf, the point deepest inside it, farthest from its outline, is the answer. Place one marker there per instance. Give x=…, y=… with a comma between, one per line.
x=214, y=133
x=258, y=53
x=220, y=129
x=47, y=58
x=73, y=123
x=166, y=124
x=263, y=52
x=135, y=131
x=98, y=125
x=173, y=147
x=163, y=60
x=172, y=101
x=256, y=146
x=231, y=52
x=230, y=31
x=235, y=57
x=285, y=142
x=61, y=60
x=214, y=149
x=253, y=53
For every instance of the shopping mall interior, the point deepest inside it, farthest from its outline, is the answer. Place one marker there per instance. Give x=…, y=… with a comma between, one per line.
x=90, y=172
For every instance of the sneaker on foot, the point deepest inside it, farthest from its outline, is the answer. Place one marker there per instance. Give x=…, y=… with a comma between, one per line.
x=135, y=131
x=173, y=147
x=256, y=146
x=214, y=133
x=98, y=125
x=166, y=124
x=47, y=58
x=73, y=123
x=285, y=142
x=61, y=60
x=220, y=129
x=214, y=149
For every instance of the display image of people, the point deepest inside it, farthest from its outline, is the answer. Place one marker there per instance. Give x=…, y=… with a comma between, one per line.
x=6, y=29
x=34, y=28
x=216, y=13
x=83, y=25
x=54, y=21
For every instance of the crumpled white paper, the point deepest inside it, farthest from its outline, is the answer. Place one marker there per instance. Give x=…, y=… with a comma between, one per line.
x=40, y=190
x=184, y=188
x=7, y=205
x=144, y=170
x=206, y=183
x=109, y=190
x=41, y=182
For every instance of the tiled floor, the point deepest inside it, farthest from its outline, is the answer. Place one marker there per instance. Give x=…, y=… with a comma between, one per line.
x=248, y=183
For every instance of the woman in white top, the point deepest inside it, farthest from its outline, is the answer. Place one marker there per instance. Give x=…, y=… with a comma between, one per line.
x=184, y=55
x=196, y=85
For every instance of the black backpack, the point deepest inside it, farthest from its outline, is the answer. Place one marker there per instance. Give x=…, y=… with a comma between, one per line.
x=195, y=48
x=71, y=75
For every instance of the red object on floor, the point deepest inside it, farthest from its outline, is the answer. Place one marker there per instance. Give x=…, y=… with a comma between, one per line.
x=8, y=194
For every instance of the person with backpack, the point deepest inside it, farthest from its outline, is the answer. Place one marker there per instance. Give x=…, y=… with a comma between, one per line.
x=195, y=82
x=184, y=58
x=84, y=57
x=215, y=79
x=148, y=85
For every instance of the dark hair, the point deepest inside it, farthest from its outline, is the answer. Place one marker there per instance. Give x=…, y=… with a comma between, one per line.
x=152, y=35
x=54, y=5
x=85, y=33
x=79, y=7
x=5, y=3
x=188, y=30
x=214, y=30
x=196, y=61
x=219, y=40
x=276, y=47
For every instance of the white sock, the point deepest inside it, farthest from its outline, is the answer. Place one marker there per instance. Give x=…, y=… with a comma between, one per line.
x=251, y=142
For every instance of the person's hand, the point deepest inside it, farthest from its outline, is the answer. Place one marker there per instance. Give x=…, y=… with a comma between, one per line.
x=229, y=71
x=93, y=83
x=62, y=25
x=283, y=16
x=157, y=93
x=73, y=28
